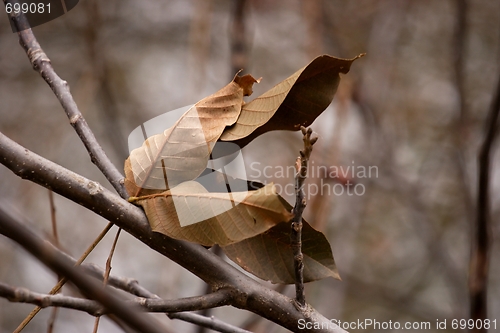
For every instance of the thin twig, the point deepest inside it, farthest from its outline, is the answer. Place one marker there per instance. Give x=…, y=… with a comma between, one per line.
x=41, y=64
x=218, y=298
x=108, y=271
x=63, y=280
x=53, y=315
x=23, y=295
x=252, y=296
x=53, y=218
x=133, y=287
x=52, y=320
x=111, y=253
x=481, y=242
x=300, y=205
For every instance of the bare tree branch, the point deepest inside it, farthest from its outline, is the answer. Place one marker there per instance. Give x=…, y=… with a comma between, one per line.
x=133, y=287
x=250, y=295
x=107, y=273
x=481, y=242
x=12, y=228
x=23, y=295
x=41, y=64
x=53, y=315
x=218, y=298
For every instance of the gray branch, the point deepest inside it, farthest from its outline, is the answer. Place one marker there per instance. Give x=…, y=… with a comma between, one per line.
x=41, y=63
x=132, y=286
x=23, y=295
x=248, y=294
x=212, y=322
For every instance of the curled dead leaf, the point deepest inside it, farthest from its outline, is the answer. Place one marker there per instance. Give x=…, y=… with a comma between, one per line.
x=181, y=152
x=189, y=212
x=294, y=102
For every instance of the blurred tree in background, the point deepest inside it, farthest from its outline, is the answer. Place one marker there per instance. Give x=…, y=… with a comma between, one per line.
x=414, y=109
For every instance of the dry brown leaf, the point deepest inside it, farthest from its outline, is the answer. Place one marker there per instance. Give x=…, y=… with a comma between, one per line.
x=296, y=101
x=269, y=255
x=181, y=152
x=189, y=212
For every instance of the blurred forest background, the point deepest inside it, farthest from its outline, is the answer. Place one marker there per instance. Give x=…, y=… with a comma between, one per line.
x=414, y=107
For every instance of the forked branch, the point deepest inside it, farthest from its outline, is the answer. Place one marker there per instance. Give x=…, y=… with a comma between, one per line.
x=251, y=295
